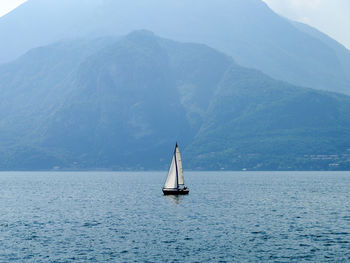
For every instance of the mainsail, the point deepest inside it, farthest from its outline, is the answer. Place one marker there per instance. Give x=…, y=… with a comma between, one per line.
x=175, y=175
x=179, y=166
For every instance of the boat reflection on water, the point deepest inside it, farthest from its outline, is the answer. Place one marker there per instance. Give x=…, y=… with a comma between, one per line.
x=175, y=199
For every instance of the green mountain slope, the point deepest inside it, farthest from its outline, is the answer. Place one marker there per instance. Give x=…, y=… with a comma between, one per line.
x=110, y=103
x=122, y=103
x=258, y=123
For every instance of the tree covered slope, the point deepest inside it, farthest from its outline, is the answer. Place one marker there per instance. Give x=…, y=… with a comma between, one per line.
x=121, y=103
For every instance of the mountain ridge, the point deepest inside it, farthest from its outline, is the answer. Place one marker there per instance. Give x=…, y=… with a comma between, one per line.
x=247, y=30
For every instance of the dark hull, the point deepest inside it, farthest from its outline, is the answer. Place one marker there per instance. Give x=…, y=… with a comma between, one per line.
x=176, y=191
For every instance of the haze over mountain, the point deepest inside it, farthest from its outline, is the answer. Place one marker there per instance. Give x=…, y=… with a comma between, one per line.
x=120, y=103
x=247, y=30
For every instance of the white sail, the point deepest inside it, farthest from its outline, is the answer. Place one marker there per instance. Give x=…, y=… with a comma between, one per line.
x=171, y=181
x=179, y=167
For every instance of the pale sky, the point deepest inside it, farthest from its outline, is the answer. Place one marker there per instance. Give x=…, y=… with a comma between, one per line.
x=7, y=5
x=329, y=16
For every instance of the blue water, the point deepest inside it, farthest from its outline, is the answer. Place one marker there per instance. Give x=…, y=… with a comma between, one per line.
x=123, y=217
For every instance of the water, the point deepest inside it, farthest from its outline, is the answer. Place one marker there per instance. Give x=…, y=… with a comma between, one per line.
x=123, y=217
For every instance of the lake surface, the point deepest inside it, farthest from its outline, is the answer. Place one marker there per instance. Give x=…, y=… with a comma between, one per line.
x=124, y=217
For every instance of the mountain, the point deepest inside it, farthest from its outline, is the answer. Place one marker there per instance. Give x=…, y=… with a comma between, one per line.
x=247, y=30
x=341, y=52
x=121, y=103
x=259, y=123
x=89, y=103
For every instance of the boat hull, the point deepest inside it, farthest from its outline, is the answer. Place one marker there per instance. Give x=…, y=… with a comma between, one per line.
x=176, y=191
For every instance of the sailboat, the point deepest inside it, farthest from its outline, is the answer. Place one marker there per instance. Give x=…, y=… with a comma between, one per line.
x=174, y=184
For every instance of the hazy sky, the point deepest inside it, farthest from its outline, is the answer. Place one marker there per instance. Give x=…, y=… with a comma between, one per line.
x=7, y=5
x=329, y=16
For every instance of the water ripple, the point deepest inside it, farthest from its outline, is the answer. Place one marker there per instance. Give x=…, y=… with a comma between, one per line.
x=123, y=217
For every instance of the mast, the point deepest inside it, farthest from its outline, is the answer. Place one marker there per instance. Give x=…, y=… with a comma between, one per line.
x=177, y=173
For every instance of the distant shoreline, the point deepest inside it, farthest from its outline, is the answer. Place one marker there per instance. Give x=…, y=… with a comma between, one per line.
x=165, y=171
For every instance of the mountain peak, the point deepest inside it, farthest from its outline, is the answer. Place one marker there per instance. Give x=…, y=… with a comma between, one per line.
x=141, y=34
